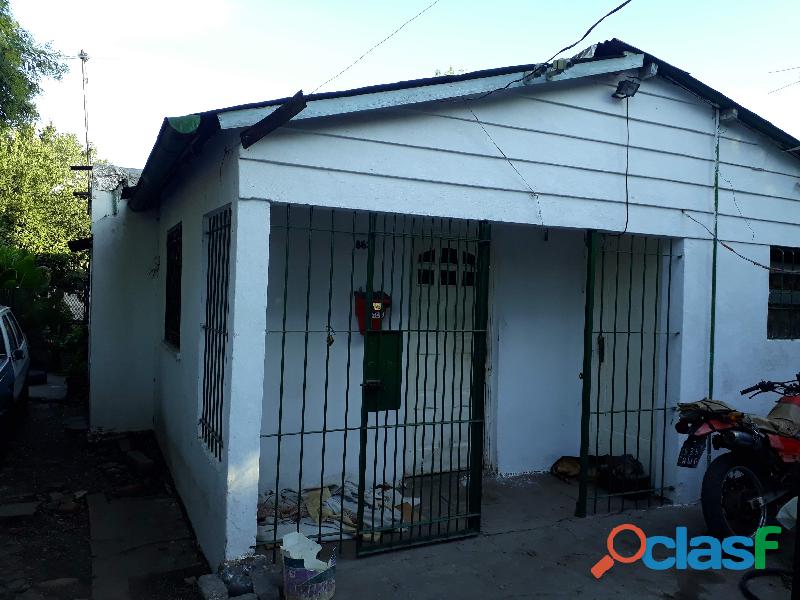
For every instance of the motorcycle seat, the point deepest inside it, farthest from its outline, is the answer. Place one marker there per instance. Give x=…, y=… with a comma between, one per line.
x=705, y=405
x=783, y=419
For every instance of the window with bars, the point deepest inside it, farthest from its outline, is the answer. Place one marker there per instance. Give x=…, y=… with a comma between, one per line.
x=218, y=243
x=449, y=267
x=172, y=306
x=783, y=316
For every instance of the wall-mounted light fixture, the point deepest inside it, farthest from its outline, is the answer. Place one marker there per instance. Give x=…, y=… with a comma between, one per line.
x=626, y=88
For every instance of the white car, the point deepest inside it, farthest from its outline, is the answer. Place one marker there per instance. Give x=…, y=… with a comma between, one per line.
x=14, y=360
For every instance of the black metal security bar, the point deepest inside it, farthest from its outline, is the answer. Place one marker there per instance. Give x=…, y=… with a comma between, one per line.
x=218, y=242
x=626, y=375
x=376, y=350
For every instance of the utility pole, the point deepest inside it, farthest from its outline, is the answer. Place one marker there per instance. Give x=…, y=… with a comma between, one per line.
x=84, y=59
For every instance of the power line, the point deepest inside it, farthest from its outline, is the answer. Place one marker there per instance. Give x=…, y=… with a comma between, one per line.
x=588, y=31
x=784, y=87
x=387, y=38
x=544, y=65
x=541, y=68
x=784, y=70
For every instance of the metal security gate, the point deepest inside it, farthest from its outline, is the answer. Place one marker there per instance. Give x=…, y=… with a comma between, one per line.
x=374, y=379
x=626, y=372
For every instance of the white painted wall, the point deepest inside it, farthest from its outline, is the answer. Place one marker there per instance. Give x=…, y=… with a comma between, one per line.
x=216, y=493
x=569, y=143
x=243, y=406
x=537, y=341
x=568, y=140
x=124, y=298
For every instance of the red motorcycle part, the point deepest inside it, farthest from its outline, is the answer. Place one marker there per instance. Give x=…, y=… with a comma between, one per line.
x=787, y=448
x=711, y=426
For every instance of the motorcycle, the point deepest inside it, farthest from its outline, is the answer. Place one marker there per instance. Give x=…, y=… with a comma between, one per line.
x=744, y=488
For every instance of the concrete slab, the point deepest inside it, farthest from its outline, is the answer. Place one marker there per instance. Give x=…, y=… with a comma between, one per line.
x=135, y=537
x=532, y=546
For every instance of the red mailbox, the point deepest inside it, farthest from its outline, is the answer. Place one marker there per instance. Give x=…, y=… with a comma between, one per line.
x=377, y=309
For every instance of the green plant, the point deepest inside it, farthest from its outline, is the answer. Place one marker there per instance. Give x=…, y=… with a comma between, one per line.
x=18, y=269
x=37, y=295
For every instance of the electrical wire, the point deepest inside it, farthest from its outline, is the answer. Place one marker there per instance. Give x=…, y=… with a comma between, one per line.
x=738, y=208
x=386, y=39
x=534, y=194
x=784, y=70
x=627, y=169
x=543, y=66
x=588, y=31
x=737, y=253
x=540, y=69
x=627, y=163
x=784, y=87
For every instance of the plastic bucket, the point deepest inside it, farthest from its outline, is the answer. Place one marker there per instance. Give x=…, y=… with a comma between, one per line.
x=300, y=583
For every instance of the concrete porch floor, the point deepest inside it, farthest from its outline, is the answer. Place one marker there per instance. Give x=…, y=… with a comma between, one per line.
x=531, y=545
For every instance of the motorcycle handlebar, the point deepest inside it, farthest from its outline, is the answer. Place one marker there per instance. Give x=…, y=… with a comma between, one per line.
x=759, y=386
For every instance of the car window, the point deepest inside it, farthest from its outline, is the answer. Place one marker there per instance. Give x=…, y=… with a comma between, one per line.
x=3, y=347
x=12, y=335
x=17, y=328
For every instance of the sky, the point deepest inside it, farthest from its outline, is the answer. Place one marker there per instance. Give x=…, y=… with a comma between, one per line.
x=155, y=58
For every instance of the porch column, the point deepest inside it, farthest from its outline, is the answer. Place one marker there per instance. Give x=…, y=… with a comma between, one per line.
x=693, y=321
x=248, y=315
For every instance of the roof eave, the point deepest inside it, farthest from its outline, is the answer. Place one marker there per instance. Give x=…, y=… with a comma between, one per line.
x=785, y=141
x=178, y=138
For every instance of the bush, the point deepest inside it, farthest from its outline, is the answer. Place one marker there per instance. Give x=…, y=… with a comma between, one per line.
x=57, y=337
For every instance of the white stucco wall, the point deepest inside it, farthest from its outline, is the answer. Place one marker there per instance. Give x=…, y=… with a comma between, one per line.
x=537, y=346
x=569, y=143
x=124, y=298
x=216, y=493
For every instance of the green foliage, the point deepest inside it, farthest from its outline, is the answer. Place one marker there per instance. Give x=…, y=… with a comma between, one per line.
x=36, y=293
x=18, y=269
x=38, y=211
x=23, y=64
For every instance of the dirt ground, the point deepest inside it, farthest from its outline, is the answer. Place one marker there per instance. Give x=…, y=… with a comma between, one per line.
x=530, y=543
x=47, y=556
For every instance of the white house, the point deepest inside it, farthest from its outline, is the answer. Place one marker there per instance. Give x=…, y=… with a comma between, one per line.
x=387, y=288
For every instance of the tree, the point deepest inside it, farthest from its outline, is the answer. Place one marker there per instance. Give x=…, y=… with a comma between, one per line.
x=18, y=269
x=23, y=64
x=38, y=211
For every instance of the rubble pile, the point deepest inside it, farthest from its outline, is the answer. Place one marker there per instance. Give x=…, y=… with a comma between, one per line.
x=331, y=512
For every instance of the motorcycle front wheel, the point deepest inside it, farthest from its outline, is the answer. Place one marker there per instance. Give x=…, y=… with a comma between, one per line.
x=733, y=497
